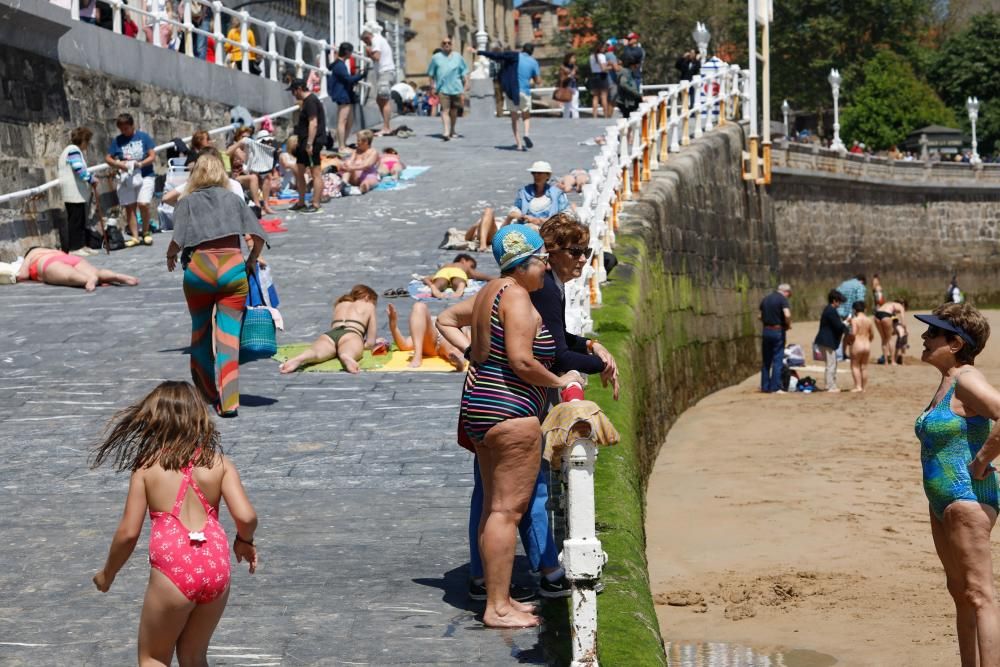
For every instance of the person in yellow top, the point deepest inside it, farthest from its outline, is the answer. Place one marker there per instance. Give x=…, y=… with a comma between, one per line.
x=234, y=53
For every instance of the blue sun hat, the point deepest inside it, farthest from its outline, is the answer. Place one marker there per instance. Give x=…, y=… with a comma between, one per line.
x=513, y=244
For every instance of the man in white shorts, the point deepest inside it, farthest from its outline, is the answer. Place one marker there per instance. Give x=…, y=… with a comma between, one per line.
x=131, y=155
x=377, y=48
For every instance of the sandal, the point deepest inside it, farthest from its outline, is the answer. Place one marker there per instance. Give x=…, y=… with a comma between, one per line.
x=132, y=242
x=147, y=239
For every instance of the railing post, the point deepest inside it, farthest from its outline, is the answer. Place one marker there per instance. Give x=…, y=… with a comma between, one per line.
x=709, y=103
x=745, y=83
x=157, y=39
x=272, y=50
x=655, y=128
x=664, y=130
x=675, y=122
x=647, y=134
x=723, y=92
x=583, y=555
x=244, y=44
x=685, y=113
x=324, y=65
x=298, y=54
x=696, y=107
x=116, y=16
x=188, y=35
x=220, y=59
x=74, y=10
x=622, y=163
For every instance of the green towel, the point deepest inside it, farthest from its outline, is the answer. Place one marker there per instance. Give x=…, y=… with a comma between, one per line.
x=367, y=363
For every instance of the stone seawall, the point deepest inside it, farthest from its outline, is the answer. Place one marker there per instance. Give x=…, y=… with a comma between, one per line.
x=698, y=250
x=708, y=252
x=915, y=235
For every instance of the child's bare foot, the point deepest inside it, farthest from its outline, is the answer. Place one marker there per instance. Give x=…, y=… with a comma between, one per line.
x=351, y=366
x=415, y=362
x=510, y=619
x=857, y=389
x=127, y=280
x=290, y=366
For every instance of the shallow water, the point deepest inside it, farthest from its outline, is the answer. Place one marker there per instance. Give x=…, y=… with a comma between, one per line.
x=722, y=654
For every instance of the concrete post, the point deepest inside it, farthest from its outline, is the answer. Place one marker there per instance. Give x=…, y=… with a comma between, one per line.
x=220, y=58
x=244, y=44
x=696, y=106
x=709, y=103
x=685, y=113
x=157, y=39
x=481, y=67
x=116, y=16
x=371, y=12
x=272, y=51
x=74, y=10
x=583, y=556
x=674, y=122
x=188, y=35
x=298, y=53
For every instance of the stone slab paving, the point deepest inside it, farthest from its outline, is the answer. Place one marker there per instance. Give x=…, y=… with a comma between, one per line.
x=361, y=490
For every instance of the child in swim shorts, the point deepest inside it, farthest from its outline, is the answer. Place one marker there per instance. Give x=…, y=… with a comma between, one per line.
x=169, y=443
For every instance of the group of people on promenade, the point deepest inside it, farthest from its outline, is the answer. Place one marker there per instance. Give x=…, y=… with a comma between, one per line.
x=511, y=336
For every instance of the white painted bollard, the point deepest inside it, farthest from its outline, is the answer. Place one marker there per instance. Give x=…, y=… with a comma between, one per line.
x=244, y=43
x=116, y=16
x=582, y=556
x=298, y=54
x=675, y=123
x=188, y=35
x=698, y=97
x=157, y=38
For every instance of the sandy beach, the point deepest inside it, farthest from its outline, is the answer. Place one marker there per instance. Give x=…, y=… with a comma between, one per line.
x=797, y=523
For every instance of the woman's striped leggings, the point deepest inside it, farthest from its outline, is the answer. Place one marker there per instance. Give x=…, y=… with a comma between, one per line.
x=215, y=283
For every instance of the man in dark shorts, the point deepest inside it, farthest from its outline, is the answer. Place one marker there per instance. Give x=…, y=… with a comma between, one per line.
x=310, y=129
x=776, y=316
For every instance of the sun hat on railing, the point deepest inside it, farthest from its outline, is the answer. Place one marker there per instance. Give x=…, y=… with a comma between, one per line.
x=513, y=244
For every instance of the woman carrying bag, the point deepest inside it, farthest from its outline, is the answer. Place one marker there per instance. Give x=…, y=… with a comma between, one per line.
x=208, y=223
x=568, y=92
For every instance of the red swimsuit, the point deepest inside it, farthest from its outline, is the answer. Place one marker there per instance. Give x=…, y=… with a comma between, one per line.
x=197, y=562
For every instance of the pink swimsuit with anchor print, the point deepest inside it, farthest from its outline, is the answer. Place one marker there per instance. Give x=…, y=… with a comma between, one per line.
x=196, y=561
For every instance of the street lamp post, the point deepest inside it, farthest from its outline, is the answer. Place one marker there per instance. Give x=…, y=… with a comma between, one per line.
x=785, y=109
x=972, y=104
x=481, y=66
x=834, y=80
x=701, y=37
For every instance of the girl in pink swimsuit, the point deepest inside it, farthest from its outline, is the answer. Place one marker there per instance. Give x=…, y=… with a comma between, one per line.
x=169, y=443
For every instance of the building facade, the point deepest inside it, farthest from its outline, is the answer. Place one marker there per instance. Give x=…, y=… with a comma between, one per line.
x=541, y=22
x=430, y=21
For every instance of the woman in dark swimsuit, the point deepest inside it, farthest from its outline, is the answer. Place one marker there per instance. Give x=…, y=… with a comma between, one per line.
x=503, y=397
x=351, y=332
x=886, y=317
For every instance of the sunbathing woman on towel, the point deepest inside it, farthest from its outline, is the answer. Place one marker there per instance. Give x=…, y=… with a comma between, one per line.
x=351, y=332
x=422, y=329
x=55, y=267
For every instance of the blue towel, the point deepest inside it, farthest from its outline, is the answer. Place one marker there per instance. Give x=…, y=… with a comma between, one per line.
x=409, y=173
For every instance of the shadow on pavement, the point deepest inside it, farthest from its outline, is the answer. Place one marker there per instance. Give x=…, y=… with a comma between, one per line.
x=251, y=401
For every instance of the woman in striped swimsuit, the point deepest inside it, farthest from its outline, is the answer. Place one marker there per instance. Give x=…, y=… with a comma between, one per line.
x=209, y=222
x=503, y=397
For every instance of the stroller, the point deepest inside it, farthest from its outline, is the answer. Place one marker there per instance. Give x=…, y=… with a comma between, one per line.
x=177, y=175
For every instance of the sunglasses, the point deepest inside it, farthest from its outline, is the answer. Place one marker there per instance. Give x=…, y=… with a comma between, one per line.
x=576, y=252
x=543, y=257
x=445, y=43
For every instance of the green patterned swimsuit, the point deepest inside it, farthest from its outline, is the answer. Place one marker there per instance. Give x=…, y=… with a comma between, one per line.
x=948, y=443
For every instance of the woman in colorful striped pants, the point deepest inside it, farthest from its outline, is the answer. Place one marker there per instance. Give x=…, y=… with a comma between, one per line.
x=208, y=224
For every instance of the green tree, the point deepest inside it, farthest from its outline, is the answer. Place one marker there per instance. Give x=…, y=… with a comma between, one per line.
x=809, y=37
x=891, y=103
x=968, y=65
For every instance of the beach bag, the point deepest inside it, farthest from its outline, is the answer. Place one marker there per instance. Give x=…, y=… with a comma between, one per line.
x=258, y=339
x=563, y=94
x=115, y=237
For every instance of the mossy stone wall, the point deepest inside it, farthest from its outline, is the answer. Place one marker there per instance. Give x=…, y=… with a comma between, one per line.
x=698, y=252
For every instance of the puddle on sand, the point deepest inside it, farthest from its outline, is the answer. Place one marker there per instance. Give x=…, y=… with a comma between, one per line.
x=722, y=654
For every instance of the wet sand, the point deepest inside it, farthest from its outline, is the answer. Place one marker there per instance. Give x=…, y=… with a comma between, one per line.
x=799, y=520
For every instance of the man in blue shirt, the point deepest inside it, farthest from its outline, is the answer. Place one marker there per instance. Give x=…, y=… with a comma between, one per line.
x=853, y=290
x=518, y=71
x=448, y=73
x=131, y=156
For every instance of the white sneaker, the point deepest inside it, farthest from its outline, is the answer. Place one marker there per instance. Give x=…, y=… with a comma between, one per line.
x=80, y=252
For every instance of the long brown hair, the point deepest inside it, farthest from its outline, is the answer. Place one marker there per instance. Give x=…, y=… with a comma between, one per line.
x=357, y=293
x=167, y=427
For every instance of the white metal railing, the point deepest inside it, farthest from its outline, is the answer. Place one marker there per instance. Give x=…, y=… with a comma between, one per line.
x=632, y=148
x=269, y=28
x=97, y=169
